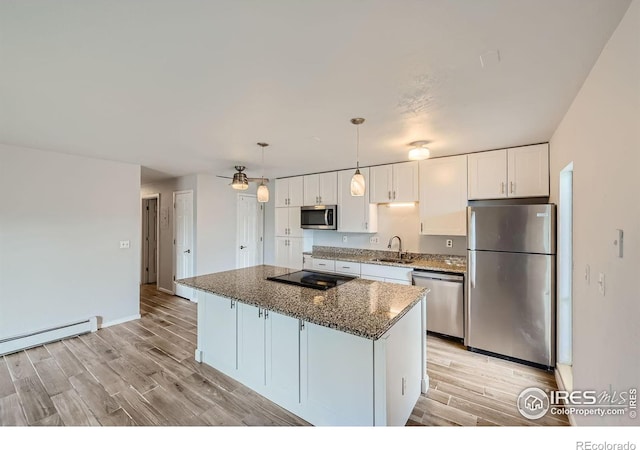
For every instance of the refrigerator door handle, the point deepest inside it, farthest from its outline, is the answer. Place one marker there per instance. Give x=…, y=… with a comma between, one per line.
x=472, y=269
x=472, y=229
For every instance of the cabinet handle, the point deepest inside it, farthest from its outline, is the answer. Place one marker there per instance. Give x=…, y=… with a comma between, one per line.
x=389, y=195
x=320, y=199
x=511, y=187
x=232, y=304
x=320, y=264
x=366, y=225
x=259, y=312
x=394, y=195
x=301, y=325
x=421, y=227
x=502, y=187
x=346, y=267
x=266, y=314
x=404, y=385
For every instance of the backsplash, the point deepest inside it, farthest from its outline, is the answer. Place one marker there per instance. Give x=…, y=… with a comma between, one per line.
x=400, y=221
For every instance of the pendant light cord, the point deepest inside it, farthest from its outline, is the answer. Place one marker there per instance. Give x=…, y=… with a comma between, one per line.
x=358, y=147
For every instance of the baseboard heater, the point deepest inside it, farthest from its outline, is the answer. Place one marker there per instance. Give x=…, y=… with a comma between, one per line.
x=25, y=341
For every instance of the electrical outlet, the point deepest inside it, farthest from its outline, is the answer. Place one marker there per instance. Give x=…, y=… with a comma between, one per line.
x=125, y=244
x=449, y=243
x=345, y=239
x=374, y=240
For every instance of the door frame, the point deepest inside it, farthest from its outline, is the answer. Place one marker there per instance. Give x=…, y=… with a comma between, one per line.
x=173, y=263
x=260, y=221
x=158, y=240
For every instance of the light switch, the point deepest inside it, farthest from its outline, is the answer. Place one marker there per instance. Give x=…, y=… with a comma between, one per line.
x=125, y=244
x=601, y=283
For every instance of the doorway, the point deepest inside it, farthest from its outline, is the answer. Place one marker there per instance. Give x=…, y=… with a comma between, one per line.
x=565, y=277
x=250, y=231
x=183, y=241
x=150, y=233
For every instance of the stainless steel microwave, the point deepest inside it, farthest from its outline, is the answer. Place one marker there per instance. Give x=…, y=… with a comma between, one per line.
x=319, y=217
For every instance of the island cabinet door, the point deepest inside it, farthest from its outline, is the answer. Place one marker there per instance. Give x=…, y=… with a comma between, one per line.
x=251, y=346
x=283, y=360
x=336, y=371
x=218, y=328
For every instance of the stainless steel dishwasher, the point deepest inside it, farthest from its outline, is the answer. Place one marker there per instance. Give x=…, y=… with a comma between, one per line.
x=445, y=301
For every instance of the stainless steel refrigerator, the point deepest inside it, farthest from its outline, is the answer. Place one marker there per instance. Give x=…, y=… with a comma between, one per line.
x=511, y=265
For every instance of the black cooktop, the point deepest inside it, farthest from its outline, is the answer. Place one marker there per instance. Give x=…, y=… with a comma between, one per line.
x=314, y=280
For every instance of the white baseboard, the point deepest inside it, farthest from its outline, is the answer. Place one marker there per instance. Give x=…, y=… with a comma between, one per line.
x=111, y=323
x=166, y=291
x=561, y=386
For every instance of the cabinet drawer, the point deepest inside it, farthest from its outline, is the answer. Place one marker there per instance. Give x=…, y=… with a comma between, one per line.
x=324, y=265
x=395, y=273
x=351, y=268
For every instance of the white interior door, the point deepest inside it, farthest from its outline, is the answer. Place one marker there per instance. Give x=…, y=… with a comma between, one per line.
x=183, y=238
x=249, y=236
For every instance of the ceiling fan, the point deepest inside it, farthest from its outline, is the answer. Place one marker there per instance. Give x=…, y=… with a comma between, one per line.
x=240, y=180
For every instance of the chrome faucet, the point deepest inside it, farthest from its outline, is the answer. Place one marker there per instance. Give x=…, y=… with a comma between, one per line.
x=399, y=245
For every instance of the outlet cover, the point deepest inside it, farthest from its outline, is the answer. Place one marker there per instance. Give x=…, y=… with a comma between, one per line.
x=345, y=238
x=449, y=243
x=125, y=244
x=374, y=240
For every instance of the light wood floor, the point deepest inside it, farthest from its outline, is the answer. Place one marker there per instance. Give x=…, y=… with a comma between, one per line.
x=143, y=373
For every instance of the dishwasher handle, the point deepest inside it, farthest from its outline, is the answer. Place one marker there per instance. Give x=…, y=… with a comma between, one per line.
x=437, y=276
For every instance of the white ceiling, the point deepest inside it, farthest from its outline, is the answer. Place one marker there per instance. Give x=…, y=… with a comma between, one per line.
x=190, y=86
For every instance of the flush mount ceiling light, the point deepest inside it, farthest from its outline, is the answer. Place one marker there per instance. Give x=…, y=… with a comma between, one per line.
x=357, y=181
x=263, y=190
x=419, y=150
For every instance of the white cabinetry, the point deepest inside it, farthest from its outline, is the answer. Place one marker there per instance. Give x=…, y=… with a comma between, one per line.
x=514, y=172
x=443, y=196
x=289, y=252
x=321, y=189
x=287, y=222
x=307, y=262
x=337, y=377
x=394, y=183
x=217, y=318
x=324, y=265
x=268, y=354
x=289, y=192
x=398, y=275
x=347, y=268
x=355, y=214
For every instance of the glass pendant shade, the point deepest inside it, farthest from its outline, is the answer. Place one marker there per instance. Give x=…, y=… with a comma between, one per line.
x=263, y=193
x=357, y=184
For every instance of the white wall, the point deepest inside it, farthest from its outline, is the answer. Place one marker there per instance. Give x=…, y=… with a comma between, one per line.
x=216, y=224
x=401, y=221
x=166, y=188
x=601, y=134
x=61, y=223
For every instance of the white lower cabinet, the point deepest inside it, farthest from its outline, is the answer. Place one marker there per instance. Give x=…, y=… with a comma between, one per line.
x=217, y=332
x=347, y=268
x=327, y=377
x=376, y=272
x=336, y=376
x=324, y=265
x=289, y=252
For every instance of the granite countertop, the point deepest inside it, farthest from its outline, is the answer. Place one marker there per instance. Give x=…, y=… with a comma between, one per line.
x=361, y=307
x=440, y=263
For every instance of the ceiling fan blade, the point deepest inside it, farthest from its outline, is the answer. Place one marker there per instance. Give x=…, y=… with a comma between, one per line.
x=258, y=180
x=220, y=176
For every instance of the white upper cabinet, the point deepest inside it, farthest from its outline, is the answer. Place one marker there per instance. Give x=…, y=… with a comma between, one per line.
x=288, y=222
x=394, y=183
x=443, y=196
x=528, y=170
x=355, y=214
x=289, y=191
x=321, y=189
x=513, y=172
x=487, y=174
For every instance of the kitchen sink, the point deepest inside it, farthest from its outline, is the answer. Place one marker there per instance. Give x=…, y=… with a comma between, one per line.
x=392, y=260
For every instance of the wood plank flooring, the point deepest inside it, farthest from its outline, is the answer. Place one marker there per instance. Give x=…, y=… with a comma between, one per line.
x=143, y=373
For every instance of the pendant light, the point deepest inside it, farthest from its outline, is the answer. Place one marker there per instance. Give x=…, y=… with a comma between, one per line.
x=419, y=150
x=263, y=190
x=357, y=181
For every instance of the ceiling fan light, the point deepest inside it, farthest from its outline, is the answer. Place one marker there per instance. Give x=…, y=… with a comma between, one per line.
x=240, y=182
x=357, y=184
x=419, y=153
x=263, y=193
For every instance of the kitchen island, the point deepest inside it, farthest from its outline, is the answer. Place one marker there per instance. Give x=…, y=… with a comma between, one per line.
x=351, y=355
